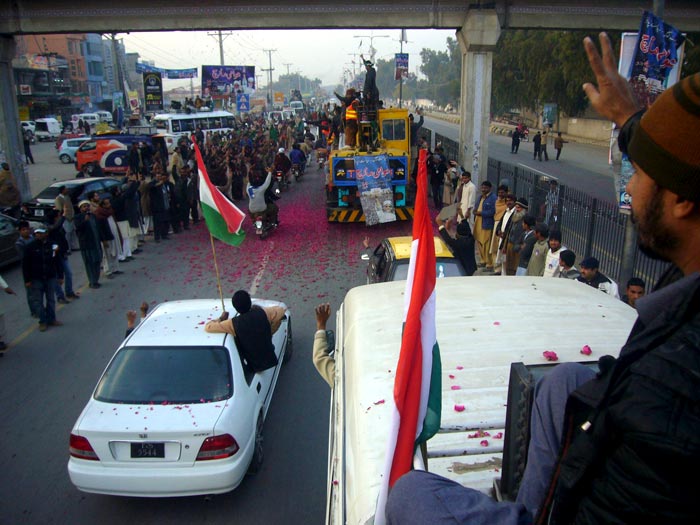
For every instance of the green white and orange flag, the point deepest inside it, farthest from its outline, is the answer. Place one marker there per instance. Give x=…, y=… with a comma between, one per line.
x=417, y=385
x=223, y=218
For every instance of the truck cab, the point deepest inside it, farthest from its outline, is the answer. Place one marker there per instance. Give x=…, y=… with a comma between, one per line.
x=486, y=326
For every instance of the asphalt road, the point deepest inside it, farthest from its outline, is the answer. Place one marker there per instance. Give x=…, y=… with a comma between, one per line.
x=46, y=378
x=581, y=166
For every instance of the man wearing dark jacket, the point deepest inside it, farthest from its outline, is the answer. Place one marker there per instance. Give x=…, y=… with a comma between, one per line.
x=630, y=436
x=42, y=270
x=462, y=246
x=162, y=205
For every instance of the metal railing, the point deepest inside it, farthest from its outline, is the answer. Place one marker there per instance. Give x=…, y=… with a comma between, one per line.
x=589, y=226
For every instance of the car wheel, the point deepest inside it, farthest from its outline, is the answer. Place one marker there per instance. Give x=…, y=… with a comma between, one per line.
x=289, y=347
x=89, y=169
x=65, y=158
x=258, y=450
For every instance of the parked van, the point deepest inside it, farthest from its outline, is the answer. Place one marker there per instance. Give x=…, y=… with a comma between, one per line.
x=107, y=154
x=487, y=327
x=47, y=129
x=105, y=116
x=92, y=118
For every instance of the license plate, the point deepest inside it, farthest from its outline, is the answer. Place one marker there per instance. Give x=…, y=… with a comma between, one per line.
x=148, y=450
x=39, y=212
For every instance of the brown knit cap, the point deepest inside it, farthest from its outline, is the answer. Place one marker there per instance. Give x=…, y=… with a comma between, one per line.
x=665, y=142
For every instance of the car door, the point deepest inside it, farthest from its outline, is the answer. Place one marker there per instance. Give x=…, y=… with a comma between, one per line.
x=376, y=269
x=8, y=236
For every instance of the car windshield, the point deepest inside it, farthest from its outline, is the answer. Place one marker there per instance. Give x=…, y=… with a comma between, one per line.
x=443, y=268
x=167, y=375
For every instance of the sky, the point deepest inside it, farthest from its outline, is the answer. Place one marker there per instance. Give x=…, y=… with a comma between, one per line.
x=316, y=53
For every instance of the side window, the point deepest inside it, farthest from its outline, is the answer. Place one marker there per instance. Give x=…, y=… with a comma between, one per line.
x=111, y=185
x=384, y=267
x=93, y=186
x=176, y=125
x=394, y=129
x=88, y=146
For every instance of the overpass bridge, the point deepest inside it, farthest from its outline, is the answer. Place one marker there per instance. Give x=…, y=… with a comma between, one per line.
x=477, y=25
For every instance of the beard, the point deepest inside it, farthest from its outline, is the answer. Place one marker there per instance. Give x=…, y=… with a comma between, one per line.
x=654, y=239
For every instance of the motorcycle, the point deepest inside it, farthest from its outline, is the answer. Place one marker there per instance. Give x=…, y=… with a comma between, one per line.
x=281, y=180
x=321, y=155
x=297, y=172
x=263, y=226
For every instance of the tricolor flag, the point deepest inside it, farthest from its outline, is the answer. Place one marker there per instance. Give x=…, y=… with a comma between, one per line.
x=417, y=385
x=223, y=218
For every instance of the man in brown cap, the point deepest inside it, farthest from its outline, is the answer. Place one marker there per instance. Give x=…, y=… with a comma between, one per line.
x=630, y=435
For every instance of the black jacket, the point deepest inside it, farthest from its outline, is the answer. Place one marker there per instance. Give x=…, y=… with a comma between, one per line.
x=254, y=339
x=40, y=262
x=637, y=462
x=463, y=248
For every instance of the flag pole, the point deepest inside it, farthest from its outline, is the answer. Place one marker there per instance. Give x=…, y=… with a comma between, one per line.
x=218, y=277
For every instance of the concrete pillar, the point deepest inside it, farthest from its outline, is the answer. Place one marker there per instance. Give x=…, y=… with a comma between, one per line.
x=477, y=38
x=10, y=130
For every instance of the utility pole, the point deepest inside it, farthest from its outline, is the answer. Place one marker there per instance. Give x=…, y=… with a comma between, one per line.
x=120, y=74
x=269, y=71
x=402, y=39
x=220, y=37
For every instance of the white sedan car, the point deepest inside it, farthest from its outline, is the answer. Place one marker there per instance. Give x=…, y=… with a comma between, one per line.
x=177, y=412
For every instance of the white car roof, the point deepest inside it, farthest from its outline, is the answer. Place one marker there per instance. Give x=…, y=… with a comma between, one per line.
x=181, y=323
x=483, y=325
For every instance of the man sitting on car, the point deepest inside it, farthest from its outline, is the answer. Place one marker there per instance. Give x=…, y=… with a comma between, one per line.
x=252, y=329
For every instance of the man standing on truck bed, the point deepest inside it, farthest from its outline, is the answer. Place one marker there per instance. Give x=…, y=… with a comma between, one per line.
x=630, y=435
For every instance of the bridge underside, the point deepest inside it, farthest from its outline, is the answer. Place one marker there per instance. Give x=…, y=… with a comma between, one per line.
x=98, y=16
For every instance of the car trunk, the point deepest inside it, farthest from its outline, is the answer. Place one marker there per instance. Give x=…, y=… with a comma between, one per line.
x=168, y=434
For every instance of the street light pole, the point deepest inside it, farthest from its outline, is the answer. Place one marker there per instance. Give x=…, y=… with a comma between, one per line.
x=372, y=51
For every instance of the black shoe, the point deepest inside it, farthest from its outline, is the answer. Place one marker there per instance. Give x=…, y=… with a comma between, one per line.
x=62, y=300
x=73, y=296
x=117, y=272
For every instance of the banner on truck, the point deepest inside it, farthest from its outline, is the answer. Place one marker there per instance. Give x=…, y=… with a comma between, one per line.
x=373, y=176
x=222, y=81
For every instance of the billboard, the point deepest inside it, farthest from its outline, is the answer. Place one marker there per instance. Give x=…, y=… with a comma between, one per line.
x=222, y=81
x=401, y=60
x=153, y=91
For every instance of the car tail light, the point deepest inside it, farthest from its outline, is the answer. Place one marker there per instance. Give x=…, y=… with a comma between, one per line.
x=218, y=447
x=81, y=448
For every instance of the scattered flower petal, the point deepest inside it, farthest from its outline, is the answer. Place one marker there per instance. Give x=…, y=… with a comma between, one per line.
x=498, y=436
x=460, y=367
x=459, y=408
x=451, y=376
x=484, y=442
x=380, y=402
x=586, y=350
x=456, y=387
x=550, y=356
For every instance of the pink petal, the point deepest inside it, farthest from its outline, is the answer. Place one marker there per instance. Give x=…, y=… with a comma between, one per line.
x=201, y=322
x=496, y=323
x=451, y=376
x=460, y=367
x=484, y=442
x=498, y=436
x=586, y=350
x=456, y=387
x=459, y=408
x=380, y=402
x=550, y=356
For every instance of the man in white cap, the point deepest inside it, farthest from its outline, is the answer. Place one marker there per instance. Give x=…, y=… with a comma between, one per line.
x=42, y=270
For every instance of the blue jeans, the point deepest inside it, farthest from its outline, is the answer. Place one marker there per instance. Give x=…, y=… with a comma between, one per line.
x=421, y=497
x=40, y=289
x=68, y=281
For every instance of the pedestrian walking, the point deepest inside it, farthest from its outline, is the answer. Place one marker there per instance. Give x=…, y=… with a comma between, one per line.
x=559, y=144
x=42, y=270
x=515, y=141
x=27, y=140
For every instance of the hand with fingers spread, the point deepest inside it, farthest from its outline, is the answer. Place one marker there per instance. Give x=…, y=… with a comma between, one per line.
x=613, y=97
x=323, y=312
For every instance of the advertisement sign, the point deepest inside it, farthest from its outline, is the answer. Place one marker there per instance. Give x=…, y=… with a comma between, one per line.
x=243, y=103
x=651, y=60
x=549, y=115
x=401, y=66
x=656, y=53
x=166, y=73
x=221, y=81
x=25, y=89
x=153, y=91
x=279, y=98
x=134, y=102
x=373, y=177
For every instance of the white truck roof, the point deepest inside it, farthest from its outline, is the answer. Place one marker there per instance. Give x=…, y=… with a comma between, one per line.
x=483, y=325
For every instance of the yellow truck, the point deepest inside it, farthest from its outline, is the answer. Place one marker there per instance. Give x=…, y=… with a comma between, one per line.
x=385, y=141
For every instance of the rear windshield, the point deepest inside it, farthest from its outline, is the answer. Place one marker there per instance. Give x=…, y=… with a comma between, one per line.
x=166, y=375
x=48, y=193
x=442, y=269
